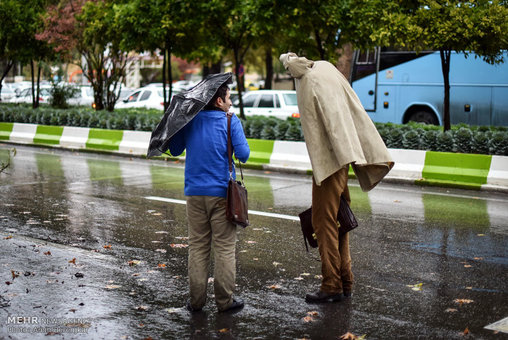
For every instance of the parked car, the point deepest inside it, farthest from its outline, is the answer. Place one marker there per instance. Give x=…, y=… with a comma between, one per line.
x=277, y=103
x=83, y=96
x=7, y=93
x=25, y=95
x=149, y=97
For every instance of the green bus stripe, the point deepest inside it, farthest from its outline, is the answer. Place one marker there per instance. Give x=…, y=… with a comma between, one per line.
x=5, y=130
x=48, y=134
x=104, y=139
x=260, y=151
x=456, y=168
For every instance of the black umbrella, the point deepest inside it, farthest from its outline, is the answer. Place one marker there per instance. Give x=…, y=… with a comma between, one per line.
x=184, y=106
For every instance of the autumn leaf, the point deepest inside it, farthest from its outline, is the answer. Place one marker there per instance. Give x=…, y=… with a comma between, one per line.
x=308, y=318
x=14, y=274
x=161, y=265
x=251, y=242
x=223, y=330
x=462, y=301
x=467, y=266
x=133, y=262
x=178, y=245
x=274, y=286
x=73, y=261
x=478, y=258
x=47, y=253
x=161, y=251
x=466, y=331
x=450, y=310
x=112, y=286
x=313, y=313
x=107, y=246
x=8, y=237
x=416, y=287
x=348, y=336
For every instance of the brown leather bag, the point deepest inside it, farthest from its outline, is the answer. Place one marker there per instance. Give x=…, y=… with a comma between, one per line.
x=237, y=205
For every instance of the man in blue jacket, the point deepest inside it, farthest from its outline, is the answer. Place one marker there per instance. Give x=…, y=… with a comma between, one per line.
x=206, y=181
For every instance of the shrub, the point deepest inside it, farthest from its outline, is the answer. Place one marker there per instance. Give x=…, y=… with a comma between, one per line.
x=268, y=132
x=463, y=137
x=60, y=94
x=429, y=140
x=444, y=142
x=281, y=129
x=499, y=144
x=411, y=140
x=294, y=133
x=256, y=127
x=395, y=139
x=480, y=143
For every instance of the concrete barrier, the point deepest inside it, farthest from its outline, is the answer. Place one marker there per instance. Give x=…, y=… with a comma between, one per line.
x=415, y=166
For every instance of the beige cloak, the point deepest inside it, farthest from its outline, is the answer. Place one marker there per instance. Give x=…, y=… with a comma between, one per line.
x=336, y=128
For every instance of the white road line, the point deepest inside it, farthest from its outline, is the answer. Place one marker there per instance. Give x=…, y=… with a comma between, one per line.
x=252, y=212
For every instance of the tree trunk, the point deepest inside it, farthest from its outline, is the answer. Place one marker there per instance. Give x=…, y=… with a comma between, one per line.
x=239, y=83
x=164, y=66
x=346, y=60
x=445, y=66
x=38, y=92
x=170, y=75
x=319, y=45
x=4, y=74
x=269, y=68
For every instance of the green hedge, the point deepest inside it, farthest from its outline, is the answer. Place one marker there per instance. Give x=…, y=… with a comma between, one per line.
x=461, y=138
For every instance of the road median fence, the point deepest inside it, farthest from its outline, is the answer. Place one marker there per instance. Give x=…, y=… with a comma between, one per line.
x=471, y=171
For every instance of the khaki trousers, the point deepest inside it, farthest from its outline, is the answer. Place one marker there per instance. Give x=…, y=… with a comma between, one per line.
x=209, y=228
x=333, y=249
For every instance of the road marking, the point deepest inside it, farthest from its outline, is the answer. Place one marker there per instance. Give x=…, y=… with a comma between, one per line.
x=252, y=212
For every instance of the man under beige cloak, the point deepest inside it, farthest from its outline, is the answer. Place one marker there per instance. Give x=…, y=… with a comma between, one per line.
x=338, y=133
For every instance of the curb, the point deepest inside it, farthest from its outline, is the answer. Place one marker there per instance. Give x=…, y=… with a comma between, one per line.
x=469, y=171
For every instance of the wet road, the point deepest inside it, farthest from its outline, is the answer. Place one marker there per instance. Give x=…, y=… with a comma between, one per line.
x=96, y=245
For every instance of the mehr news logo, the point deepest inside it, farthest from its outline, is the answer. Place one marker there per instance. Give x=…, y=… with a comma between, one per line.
x=37, y=324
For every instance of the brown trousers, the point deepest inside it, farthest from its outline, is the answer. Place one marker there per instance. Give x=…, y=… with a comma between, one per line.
x=333, y=249
x=209, y=229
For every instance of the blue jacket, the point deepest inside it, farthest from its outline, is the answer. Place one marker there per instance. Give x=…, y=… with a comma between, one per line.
x=206, y=160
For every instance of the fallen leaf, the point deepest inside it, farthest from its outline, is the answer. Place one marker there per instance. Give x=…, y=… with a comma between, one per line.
x=308, y=319
x=14, y=274
x=133, y=262
x=161, y=265
x=467, y=266
x=141, y=325
x=320, y=277
x=462, y=301
x=112, y=286
x=255, y=259
x=47, y=253
x=304, y=274
x=276, y=263
x=348, y=336
x=416, y=287
x=274, y=286
x=223, y=330
x=157, y=214
x=73, y=261
x=182, y=237
x=178, y=245
x=211, y=280
x=466, y=331
x=478, y=258
x=161, y=232
x=251, y=242
x=480, y=235
x=313, y=313
x=72, y=310
x=173, y=310
x=469, y=288
x=107, y=246
x=161, y=250
x=142, y=307
x=396, y=201
x=8, y=283
x=8, y=237
x=299, y=278
x=451, y=310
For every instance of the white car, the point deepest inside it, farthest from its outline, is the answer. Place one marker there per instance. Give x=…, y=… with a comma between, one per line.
x=276, y=103
x=149, y=97
x=25, y=95
x=83, y=96
x=7, y=93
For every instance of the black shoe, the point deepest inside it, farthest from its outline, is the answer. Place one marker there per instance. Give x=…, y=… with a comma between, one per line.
x=321, y=296
x=191, y=309
x=348, y=294
x=236, y=305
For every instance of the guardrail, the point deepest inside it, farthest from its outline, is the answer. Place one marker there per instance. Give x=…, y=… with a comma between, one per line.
x=469, y=171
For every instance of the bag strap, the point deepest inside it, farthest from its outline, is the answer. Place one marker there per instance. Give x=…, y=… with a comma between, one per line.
x=230, y=149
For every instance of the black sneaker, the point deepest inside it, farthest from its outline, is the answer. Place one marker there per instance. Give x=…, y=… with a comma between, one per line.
x=321, y=296
x=191, y=309
x=236, y=305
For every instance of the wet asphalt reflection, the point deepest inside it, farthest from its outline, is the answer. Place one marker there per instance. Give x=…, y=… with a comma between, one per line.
x=97, y=245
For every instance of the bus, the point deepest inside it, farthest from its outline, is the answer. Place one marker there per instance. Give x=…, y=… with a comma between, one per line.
x=402, y=86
